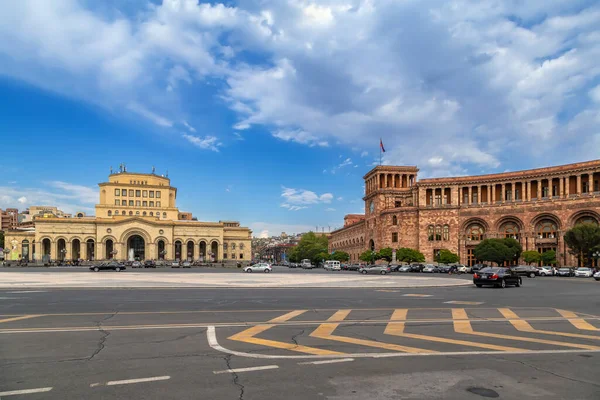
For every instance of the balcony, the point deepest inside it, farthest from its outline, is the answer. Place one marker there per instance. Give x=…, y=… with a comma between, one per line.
x=470, y=242
x=539, y=240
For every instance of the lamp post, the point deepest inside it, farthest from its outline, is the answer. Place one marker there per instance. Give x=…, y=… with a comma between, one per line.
x=63, y=252
x=596, y=254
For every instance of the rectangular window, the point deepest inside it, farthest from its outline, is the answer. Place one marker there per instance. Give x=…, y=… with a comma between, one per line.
x=395, y=237
x=232, y=256
x=117, y=192
x=397, y=203
x=465, y=198
x=118, y=202
x=123, y=192
x=137, y=203
x=151, y=204
x=138, y=193
x=517, y=194
x=584, y=187
x=144, y=193
x=157, y=194
x=130, y=203
x=475, y=198
x=438, y=199
x=545, y=191
x=158, y=204
x=225, y=256
x=241, y=256
x=151, y=194
x=144, y=203
x=130, y=192
x=508, y=195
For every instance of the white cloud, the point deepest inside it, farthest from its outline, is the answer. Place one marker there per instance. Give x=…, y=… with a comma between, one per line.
x=330, y=209
x=22, y=199
x=267, y=229
x=595, y=94
x=298, y=199
x=364, y=154
x=190, y=128
x=144, y=112
x=206, y=143
x=292, y=207
x=340, y=198
x=301, y=137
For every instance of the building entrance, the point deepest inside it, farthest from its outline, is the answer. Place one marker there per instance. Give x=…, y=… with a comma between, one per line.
x=136, y=248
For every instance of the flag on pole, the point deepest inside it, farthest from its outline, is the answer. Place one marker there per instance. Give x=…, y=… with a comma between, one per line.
x=381, y=145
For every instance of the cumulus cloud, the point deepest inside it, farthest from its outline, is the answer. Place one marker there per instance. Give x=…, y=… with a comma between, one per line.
x=298, y=199
x=475, y=84
x=205, y=143
x=66, y=196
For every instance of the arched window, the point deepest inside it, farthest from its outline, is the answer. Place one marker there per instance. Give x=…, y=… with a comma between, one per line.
x=241, y=246
x=586, y=220
x=164, y=215
x=130, y=212
x=144, y=213
x=224, y=246
x=109, y=213
x=446, y=233
x=116, y=212
x=546, y=229
x=438, y=232
x=137, y=213
x=394, y=220
x=475, y=232
x=430, y=233
x=232, y=246
x=510, y=230
x=151, y=214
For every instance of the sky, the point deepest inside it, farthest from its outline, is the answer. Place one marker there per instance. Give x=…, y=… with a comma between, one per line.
x=270, y=111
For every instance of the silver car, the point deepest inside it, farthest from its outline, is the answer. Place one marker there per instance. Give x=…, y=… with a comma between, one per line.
x=375, y=269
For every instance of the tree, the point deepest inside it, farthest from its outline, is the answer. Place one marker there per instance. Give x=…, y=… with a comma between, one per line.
x=369, y=256
x=309, y=246
x=340, y=256
x=582, y=239
x=548, y=257
x=531, y=257
x=494, y=250
x=320, y=257
x=447, y=257
x=409, y=255
x=514, y=246
x=386, y=254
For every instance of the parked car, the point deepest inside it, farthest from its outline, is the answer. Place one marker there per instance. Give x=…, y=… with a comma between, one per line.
x=478, y=267
x=136, y=264
x=584, y=272
x=430, y=269
x=353, y=267
x=565, y=271
x=546, y=270
x=149, y=264
x=405, y=268
x=375, y=269
x=186, y=264
x=259, y=267
x=597, y=276
x=332, y=265
x=175, y=264
x=113, y=265
x=497, y=277
x=394, y=267
x=526, y=270
x=464, y=269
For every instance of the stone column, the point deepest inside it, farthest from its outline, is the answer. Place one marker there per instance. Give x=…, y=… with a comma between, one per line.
x=561, y=185
x=503, y=193
x=529, y=191
x=100, y=253
x=591, y=183
x=579, y=184
x=53, y=250
x=83, y=250
x=489, y=198
x=69, y=247
x=567, y=185
x=470, y=200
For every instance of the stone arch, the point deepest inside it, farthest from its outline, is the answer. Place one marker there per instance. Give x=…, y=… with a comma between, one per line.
x=108, y=237
x=371, y=245
x=540, y=217
x=214, y=249
x=510, y=218
x=135, y=231
x=190, y=250
x=202, y=240
x=164, y=239
x=472, y=221
x=85, y=239
x=576, y=216
x=510, y=226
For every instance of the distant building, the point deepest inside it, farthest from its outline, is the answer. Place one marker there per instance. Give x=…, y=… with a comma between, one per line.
x=9, y=219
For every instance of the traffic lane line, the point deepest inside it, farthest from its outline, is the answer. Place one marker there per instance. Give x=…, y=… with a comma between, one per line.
x=467, y=303
x=340, y=360
x=250, y=369
x=576, y=321
x=18, y=318
x=214, y=344
x=246, y=324
x=25, y=391
x=131, y=381
x=524, y=326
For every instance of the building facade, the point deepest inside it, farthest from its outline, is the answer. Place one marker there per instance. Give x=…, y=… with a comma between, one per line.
x=136, y=218
x=8, y=219
x=535, y=207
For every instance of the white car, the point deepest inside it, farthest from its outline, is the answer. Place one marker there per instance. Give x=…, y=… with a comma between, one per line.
x=429, y=268
x=546, y=271
x=464, y=269
x=597, y=276
x=260, y=267
x=584, y=272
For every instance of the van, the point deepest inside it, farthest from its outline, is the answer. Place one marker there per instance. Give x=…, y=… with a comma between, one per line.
x=306, y=264
x=332, y=266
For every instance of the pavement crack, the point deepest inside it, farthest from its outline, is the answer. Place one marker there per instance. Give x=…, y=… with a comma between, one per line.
x=105, y=335
x=236, y=378
x=550, y=372
x=296, y=335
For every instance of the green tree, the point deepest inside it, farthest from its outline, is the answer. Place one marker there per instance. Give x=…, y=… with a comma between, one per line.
x=386, y=254
x=494, y=250
x=514, y=246
x=320, y=257
x=447, y=257
x=582, y=239
x=409, y=255
x=531, y=257
x=548, y=257
x=309, y=246
x=369, y=256
x=340, y=256
x=292, y=254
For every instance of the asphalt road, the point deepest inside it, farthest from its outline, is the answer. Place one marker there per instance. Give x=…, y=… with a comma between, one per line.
x=540, y=340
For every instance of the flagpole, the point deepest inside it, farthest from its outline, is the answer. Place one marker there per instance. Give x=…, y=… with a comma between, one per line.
x=380, y=152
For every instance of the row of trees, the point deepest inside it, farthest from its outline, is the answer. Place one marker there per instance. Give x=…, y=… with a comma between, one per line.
x=408, y=255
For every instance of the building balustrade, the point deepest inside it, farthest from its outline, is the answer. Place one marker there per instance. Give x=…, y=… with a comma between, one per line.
x=550, y=240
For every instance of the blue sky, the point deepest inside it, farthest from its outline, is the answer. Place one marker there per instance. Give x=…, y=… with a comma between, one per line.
x=270, y=112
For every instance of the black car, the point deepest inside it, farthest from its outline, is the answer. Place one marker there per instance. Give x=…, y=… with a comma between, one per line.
x=478, y=267
x=417, y=267
x=113, y=265
x=497, y=277
x=565, y=272
x=394, y=267
x=149, y=264
x=353, y=267
x=526, y=270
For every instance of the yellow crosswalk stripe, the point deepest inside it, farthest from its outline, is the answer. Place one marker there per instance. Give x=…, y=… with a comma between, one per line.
x=463, y=325
x=247, y=336
x=18, y=318
x=576, y=321
x=397, y=329
x=524, y=326
x=325, y=331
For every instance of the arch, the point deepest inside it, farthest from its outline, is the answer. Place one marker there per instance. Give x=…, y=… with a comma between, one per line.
x=135, y=231
x=471, y=221
x=509, y=229
x=136, y=248
x=372, y=245
x=46, y=249
x=161, y=250
x=130, y=212
x=106, y=238
x=546, y=228
x=189, y=250
x=510, y=218
x=75, y=249
x=536, y=220
x=25, y=250
x=241, y=246
x=90, y=247
x=214, y=250
x=475, y=231
x=582, y=216
x=202, y=249
x=108, y=249
x=61, y=249
x=109, y=213
x=178, y=246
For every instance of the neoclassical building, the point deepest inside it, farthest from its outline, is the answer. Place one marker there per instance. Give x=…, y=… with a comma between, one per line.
x=535, y=207
x=136, y=218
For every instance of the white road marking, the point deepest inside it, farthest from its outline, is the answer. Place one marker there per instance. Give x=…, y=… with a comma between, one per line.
x=30, y=291
x=471, y=303
x=25, y=391
x=327, y=361
x=140, y=380
x=236, y=370
x=417, y=295
x=212, y=341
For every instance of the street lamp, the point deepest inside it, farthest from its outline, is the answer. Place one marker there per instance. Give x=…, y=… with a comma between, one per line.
x=63, y=252
x=596, y=254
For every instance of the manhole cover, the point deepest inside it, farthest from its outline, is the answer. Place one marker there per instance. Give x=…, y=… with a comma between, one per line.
x=483, y=392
